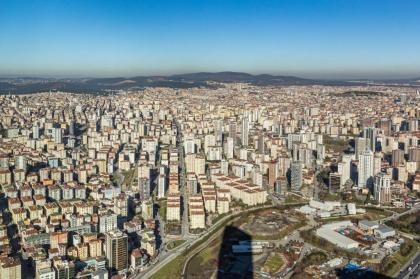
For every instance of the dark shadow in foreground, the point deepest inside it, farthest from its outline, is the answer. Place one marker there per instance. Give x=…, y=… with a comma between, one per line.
x=356, y=272
x=235, y=255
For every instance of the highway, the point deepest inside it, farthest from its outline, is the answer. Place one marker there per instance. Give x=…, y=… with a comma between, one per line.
x=411, y=269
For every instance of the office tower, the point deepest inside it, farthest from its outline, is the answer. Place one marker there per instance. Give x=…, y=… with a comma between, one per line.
x=245, y=131
x=161, y=186
x=370, y=135
x=397, y=157
x=117, y=251
x=359, y=146
x=365, y=169
x=382, y=188
x=21, y=163
x=296, y=176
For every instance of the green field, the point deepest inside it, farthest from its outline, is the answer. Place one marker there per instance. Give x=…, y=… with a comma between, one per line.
x=273, y=263
x=171, y=270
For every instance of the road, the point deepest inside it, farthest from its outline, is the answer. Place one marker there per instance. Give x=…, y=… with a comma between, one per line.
x=412, y=268
x=183, y=186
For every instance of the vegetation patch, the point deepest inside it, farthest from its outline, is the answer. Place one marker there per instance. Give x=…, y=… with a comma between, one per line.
x=273, y=263
x=409, y=223
x=175, y=243
x=393, y=263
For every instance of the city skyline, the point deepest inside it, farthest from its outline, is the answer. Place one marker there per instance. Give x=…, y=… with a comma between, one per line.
x=326, y=39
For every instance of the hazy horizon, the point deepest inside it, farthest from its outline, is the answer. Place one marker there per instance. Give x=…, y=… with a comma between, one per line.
x=310, y=39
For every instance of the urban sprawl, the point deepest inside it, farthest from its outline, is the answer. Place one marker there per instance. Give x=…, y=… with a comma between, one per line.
x=120, y=185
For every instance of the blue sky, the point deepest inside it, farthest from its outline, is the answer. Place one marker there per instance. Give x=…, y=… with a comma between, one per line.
x=312, y=38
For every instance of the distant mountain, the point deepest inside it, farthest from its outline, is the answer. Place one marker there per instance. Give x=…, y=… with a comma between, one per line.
x=25, y=85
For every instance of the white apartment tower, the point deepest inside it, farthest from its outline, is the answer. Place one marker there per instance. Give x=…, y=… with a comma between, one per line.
x=365, y=169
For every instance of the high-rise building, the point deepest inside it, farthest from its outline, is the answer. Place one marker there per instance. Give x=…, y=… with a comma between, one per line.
x=296, y=176
x=414, y=154
x=359, y=146
x=245, y=131
x=144, y=188
x=382, y=188
x=344, y=169
x=35, y=132
x=116, y=243
x=161, y=186
x=189, y=145
x=21, y=163
x=58, y=137
x=108, y=222
x=229, y=147
x=370, y=134
x=397, y=157
x=280, y=186
x=365, y=169
x=272, y=174
x=71, y=128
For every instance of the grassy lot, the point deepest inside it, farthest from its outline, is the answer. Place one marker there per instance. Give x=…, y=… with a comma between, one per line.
x=173, y=244
x=273, y=263
x=171, y=270
x=392, y=264
x=409, y=223
x=205, y=263
x=373, y=213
